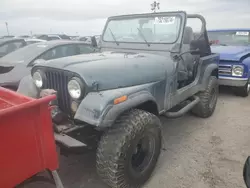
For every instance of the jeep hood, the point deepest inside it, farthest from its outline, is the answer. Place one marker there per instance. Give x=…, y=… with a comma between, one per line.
x=231, y=53
x=110, y=70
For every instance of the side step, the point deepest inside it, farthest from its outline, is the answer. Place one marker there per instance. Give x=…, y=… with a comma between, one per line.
x=68, y=141
x=184, y=110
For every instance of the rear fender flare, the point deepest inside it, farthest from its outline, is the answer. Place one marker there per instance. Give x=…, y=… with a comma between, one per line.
x=210, y=70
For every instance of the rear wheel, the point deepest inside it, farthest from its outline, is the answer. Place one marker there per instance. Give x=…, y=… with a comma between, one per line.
x=127, y=153
x=243, y=91
x=208, y=99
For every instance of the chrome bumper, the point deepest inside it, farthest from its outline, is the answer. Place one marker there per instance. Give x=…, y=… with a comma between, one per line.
x=231, y=81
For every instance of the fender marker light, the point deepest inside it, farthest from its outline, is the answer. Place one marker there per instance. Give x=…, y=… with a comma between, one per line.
x=120, y=99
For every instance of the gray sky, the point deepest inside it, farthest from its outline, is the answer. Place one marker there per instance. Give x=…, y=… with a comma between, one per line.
x=87, y=17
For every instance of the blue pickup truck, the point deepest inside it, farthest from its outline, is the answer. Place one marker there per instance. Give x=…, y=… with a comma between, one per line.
x=233, y=45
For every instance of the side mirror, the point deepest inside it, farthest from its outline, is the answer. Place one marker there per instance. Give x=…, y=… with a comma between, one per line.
x=246, y=172
x=38, y=61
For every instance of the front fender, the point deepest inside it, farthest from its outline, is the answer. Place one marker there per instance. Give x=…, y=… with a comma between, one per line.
x=246, y=63
x=98, y=108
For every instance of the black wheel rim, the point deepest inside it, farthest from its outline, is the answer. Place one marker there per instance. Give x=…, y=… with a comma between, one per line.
x=213, y=98
x=143, y=154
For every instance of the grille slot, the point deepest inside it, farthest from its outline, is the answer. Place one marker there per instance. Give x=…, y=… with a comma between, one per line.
x=58, y=80
x=225, y=70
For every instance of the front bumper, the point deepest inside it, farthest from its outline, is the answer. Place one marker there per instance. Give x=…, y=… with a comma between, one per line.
x=232, y=81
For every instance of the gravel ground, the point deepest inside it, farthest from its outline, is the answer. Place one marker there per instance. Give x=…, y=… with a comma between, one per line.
x=200, y=153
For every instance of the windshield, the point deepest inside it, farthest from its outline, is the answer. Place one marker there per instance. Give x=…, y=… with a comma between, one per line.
x=143, y=30
x=235, y=38
x=26, y=54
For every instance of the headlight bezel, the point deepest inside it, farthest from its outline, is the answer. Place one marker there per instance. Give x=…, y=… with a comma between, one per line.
x=237, y=67
x=81, y=87
x=43, y=78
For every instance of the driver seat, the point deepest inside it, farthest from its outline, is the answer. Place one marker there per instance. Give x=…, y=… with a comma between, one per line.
x=185, y=69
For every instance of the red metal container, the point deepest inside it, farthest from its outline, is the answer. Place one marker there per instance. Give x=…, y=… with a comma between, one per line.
x=27, y=141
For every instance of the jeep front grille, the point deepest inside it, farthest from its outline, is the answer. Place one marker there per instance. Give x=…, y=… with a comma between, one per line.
x=58, y=80
x=225, y=70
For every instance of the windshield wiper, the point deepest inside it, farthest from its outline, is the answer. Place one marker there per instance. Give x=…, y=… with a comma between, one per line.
x=113, y=37
x=141, y=34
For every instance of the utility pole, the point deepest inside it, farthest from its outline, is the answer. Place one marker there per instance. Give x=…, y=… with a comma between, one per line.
x=7, y=28
x=155, y=6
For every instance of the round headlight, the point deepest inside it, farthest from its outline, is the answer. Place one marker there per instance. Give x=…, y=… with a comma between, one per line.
x=75, y=89
x=38, y=79
x=237, y=70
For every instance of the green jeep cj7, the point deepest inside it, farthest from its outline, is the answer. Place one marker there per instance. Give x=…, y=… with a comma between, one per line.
x=149, y=65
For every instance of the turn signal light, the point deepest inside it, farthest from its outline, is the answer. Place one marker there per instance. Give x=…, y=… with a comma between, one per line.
x=120, y=99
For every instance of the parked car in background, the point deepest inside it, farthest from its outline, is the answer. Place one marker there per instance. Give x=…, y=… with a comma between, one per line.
x=33, y=40
x=97, y=38
x=24, y=36
x=246, y=172
x=7, y=37
x=86, y=39
x=74, y=37
x=49, y=37
x=233, y=45
x=16, y=65
x=9, y=45
x=92, y=40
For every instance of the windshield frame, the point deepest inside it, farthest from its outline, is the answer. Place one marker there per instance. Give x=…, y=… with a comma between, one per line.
x=229, y=31
x=154, y=46
x=143, y=42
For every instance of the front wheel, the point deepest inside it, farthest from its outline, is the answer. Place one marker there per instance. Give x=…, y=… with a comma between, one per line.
x=208, y=99
x=128, y=152
x=243, y=91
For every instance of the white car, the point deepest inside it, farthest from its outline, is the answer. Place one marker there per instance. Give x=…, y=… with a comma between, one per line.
x=33, y=40
x=49, y=37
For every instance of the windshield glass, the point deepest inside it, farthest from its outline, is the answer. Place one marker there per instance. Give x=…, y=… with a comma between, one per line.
x=143, y=30
x=26, y=54
x=235, y=38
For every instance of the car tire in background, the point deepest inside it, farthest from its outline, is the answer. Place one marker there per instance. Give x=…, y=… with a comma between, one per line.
x=128, y=152
x=242, y=91
x=208, y=99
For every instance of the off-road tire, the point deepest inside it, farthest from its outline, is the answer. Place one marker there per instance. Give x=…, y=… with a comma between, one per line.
x=208, y=99
x=116, y=148
x=242, y=91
